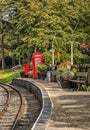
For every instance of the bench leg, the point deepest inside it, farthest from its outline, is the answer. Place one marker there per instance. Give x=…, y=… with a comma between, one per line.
x=78, y=85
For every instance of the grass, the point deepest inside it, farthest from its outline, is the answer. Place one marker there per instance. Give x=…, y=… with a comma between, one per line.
x=88, y=89
x=6, y=76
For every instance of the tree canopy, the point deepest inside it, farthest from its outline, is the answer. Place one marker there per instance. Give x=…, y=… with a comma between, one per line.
x=36, y=25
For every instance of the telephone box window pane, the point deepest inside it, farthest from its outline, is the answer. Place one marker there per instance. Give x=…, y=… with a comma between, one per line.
x=37, y=61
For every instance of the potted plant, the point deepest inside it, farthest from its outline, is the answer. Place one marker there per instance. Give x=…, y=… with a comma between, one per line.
x=41, y=71
x=60, y=70
x=65, y=75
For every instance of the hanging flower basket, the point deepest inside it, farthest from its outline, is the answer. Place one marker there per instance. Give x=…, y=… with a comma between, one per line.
x=83, y=46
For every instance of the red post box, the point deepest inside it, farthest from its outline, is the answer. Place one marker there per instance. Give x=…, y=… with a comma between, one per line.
x=26, y=69
x=37, y=59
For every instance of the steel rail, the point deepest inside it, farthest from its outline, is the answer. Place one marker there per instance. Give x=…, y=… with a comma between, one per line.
x=7, y=101
x=19, y=113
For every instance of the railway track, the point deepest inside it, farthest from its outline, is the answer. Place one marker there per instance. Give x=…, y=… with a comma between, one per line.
x=19, y=108
x=32, y=108
x=11, y=110
x=4, y=99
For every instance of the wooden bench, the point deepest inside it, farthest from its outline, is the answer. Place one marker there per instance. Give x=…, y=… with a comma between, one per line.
x=81, y=78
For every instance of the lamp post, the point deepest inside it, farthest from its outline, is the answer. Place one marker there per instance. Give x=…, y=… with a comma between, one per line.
x=52, y=54
x=72, y=53
x=53, y=50
x=72, y=43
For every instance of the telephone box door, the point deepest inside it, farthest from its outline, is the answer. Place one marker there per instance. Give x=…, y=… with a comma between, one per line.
x=37, y=59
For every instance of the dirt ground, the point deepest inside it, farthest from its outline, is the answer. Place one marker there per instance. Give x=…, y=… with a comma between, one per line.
x=70, y=109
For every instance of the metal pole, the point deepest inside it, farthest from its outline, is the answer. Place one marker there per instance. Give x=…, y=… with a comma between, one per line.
x=52, y=53
x=72, y=43
x=72, y=53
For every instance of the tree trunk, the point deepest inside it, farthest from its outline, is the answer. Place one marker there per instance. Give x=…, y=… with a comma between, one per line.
x=2, y=46
x=13, y=60
x=19, y=60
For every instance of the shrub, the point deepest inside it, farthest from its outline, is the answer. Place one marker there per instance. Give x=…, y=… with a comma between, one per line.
x=61, y=70
x=42, y=68
x=65, y=73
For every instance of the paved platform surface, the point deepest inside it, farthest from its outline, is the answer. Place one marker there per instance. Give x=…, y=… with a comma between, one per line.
x=70, y=109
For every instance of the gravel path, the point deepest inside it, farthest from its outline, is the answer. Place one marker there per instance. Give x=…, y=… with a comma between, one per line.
x=70, y=109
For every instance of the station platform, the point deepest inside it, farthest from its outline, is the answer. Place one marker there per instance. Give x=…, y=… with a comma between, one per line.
x=70, y=109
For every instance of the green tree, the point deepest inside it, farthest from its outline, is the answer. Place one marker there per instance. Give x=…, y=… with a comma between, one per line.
x=38, y=24
x=2, y=34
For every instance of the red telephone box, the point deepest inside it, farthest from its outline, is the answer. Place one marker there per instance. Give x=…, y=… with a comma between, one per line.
x=37, y=59
x=26, y=69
